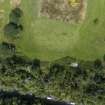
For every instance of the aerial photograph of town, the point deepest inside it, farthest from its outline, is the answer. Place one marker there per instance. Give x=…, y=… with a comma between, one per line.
x=52, y=52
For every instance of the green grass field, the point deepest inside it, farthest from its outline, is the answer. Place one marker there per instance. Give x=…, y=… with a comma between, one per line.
x=49, y=39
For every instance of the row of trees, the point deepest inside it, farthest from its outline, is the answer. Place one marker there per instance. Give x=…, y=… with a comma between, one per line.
x=12, y=30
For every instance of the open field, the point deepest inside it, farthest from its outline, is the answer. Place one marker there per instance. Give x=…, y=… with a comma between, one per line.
x=51, y=39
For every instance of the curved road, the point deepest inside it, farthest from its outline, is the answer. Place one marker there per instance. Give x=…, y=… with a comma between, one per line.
x=30, y=98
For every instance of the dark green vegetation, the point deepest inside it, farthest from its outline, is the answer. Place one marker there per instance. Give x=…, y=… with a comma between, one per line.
x=84, y=83
x=14, y=26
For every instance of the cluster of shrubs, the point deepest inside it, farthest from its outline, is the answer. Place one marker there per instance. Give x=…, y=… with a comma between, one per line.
x=8, y=46
x=18, y=62
x=98, y=63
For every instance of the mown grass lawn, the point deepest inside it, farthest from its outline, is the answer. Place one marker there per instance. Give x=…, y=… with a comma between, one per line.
x=49, y=39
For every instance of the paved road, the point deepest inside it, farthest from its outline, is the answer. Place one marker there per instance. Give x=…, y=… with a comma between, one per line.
x=29, y=97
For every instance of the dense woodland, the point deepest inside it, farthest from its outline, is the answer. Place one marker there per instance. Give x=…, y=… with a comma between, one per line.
x=82, y=83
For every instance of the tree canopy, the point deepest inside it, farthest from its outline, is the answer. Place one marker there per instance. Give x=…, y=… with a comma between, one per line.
x=15, y=15
x=14, y=26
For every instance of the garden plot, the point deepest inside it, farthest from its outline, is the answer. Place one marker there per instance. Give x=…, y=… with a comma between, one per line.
x=64, y=10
